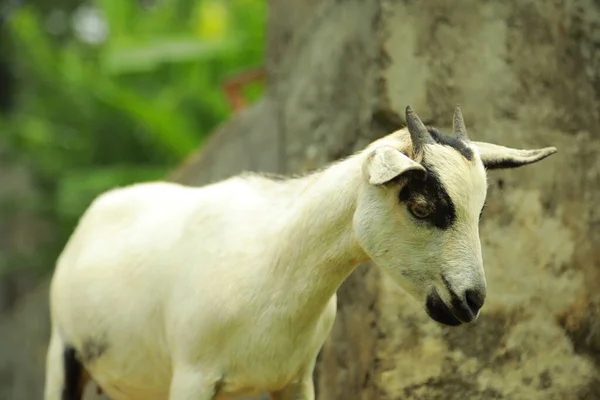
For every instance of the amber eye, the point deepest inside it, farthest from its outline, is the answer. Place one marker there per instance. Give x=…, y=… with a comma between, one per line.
x=419, y=210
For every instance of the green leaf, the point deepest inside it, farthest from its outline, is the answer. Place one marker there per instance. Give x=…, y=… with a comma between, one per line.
x=171, y=130
x=147, y=57
x=120, y=16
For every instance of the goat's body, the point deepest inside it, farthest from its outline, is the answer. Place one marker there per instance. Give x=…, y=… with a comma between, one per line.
x=171, y=292
x=145, y=285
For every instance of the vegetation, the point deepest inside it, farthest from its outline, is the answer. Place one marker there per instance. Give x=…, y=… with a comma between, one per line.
x=118, y=91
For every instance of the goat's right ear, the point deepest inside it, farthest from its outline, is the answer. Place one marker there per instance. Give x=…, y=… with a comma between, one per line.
x=386, y=163
x=494, y=156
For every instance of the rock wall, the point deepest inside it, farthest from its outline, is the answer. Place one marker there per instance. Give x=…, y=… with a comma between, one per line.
x=526, y=74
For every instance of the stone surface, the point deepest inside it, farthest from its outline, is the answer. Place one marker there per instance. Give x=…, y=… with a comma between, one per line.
x=524, y=74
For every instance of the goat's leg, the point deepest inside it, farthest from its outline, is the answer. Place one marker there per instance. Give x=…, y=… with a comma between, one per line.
x=191, y=384
x=303, y=390
x=53, y=388
x=65, y=376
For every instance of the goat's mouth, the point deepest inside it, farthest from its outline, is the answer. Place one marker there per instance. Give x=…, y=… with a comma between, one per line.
x=439, y=311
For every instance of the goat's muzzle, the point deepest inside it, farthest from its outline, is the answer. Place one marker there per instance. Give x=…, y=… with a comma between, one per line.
x=462, y=309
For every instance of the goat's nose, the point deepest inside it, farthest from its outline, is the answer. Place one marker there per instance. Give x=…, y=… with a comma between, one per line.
x=474, y=299
x=466, y=307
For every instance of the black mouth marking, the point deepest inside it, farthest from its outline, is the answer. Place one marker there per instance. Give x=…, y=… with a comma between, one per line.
x=439, y=311
x=460, y=307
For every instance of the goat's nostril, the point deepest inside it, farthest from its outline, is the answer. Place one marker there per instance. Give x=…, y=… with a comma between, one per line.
x=475, y=300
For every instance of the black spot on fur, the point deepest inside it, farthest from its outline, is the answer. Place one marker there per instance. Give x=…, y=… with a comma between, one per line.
x=92, y=349
x=72, y=389
x=432, y=189
x=219, y=386
x=457, y=144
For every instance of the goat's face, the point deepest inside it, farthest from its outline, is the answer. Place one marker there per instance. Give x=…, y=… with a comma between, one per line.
x=418, y=217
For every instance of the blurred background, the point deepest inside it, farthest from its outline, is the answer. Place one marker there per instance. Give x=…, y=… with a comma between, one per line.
x=105, y=93
x=97, y=94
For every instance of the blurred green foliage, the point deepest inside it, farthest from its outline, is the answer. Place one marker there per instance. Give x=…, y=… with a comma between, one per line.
x=116, y=91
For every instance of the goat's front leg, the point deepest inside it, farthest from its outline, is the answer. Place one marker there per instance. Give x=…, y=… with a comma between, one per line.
x=191, y=384
x=303, y=390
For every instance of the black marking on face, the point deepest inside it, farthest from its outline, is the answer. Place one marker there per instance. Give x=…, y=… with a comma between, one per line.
x=460, y=307
x=457, y=144
x=92, y=350
x=439, y=311
x=219, y=386
x=443, y=213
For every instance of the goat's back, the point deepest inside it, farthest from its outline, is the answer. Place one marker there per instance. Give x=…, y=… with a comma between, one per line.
x=136, y=239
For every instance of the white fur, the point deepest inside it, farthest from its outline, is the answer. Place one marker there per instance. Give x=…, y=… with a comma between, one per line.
x=230, y=288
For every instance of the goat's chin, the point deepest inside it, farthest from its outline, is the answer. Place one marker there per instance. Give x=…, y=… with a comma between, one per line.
x=439, y=311
x=448, y=320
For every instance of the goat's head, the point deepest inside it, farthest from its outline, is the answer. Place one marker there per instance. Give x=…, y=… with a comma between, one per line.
x=418, y=213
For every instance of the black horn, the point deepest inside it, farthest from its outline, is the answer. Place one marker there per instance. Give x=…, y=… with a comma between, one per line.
x=460, y=130
x=418, y=132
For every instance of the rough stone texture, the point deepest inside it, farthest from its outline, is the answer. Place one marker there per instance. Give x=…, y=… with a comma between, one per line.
x=250, y=141
x=527, y=74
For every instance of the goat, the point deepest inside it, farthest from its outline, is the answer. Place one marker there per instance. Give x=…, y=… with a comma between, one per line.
x=172, y=292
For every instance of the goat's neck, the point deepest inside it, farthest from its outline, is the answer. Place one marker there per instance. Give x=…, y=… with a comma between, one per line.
x=320, y=249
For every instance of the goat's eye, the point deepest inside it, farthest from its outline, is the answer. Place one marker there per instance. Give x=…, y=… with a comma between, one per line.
x=419, y=210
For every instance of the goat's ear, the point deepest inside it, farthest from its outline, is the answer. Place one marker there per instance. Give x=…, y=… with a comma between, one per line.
x=500, y=157
x=387, y=163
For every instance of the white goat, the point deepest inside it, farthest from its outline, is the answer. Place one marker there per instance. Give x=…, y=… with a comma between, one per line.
x=172, y=292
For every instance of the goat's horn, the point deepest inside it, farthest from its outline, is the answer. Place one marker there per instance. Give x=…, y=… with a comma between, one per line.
x=460, y=131
x=418, y=132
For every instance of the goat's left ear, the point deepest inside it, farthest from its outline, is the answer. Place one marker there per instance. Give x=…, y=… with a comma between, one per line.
x=500, y=157
x=387, y=163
